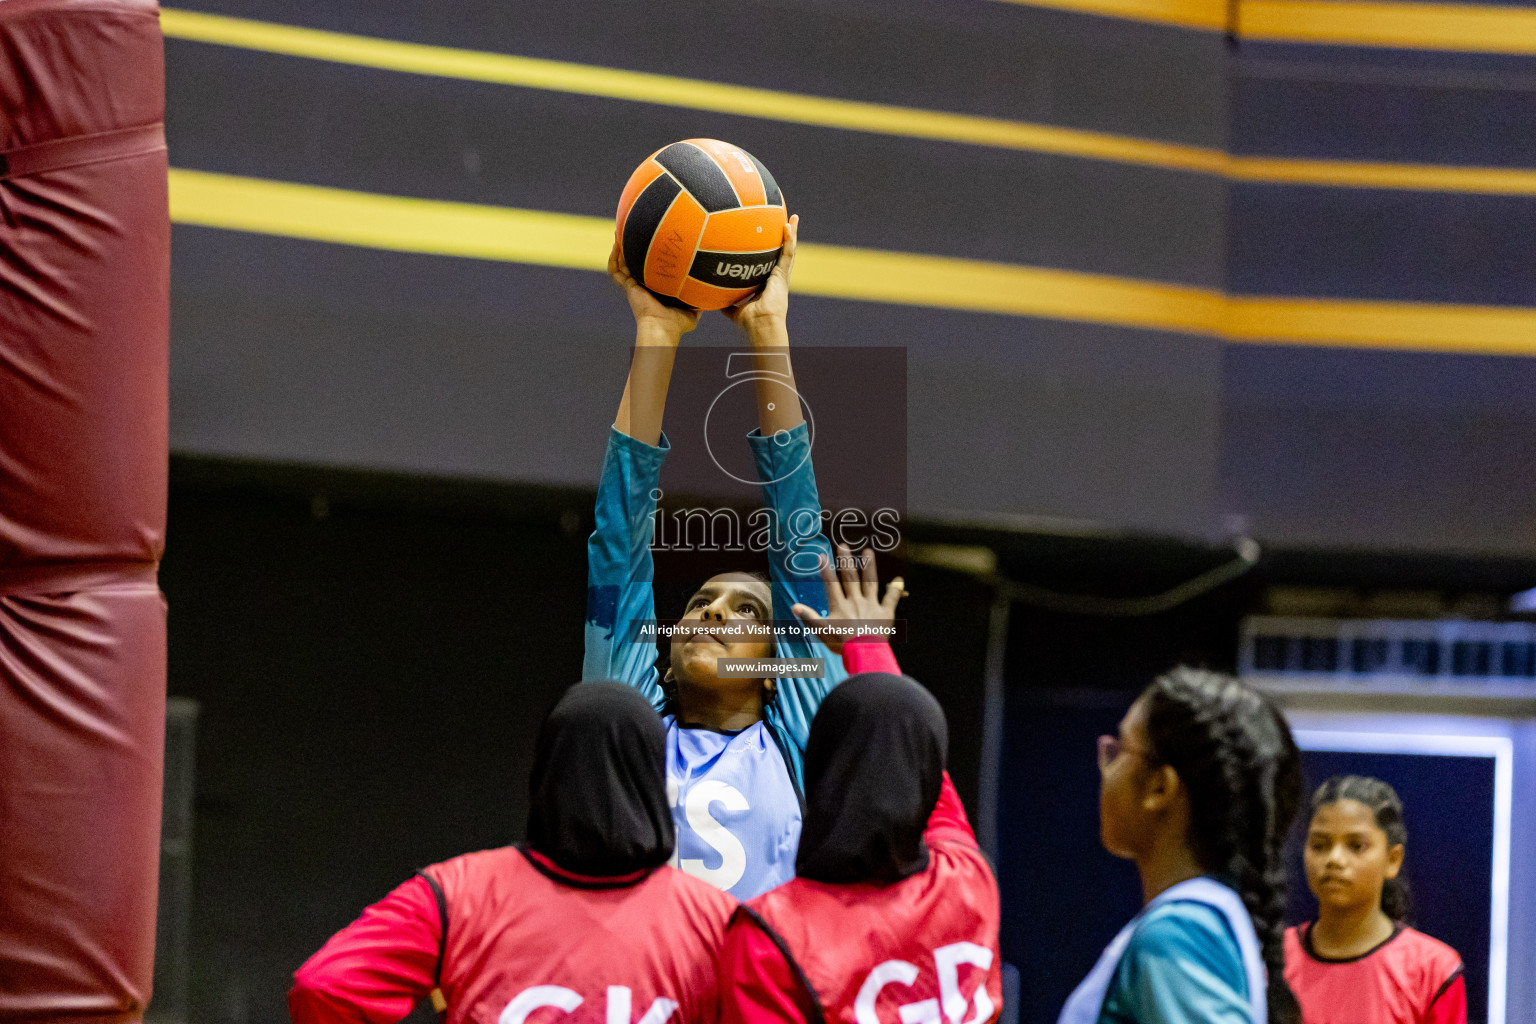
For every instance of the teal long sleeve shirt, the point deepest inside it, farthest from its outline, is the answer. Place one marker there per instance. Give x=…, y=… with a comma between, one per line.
x=620, y=574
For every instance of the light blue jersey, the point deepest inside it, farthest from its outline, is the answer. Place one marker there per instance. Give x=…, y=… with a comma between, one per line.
x=761, y=767
x=1182, y=966
x=1190, y=957
x=738, y=812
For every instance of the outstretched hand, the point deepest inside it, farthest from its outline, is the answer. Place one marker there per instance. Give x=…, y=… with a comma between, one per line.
x=654, y=320
x=853, y=595
x=769, y=307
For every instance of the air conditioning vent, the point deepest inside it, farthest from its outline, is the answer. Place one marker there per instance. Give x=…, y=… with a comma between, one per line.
x=1390, y=655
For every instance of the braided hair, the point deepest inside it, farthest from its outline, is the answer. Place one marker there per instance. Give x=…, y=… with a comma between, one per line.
x=1387, y=808
x=1235, y=756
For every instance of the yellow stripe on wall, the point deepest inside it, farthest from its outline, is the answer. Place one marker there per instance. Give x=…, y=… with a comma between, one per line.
x=375, y=221
x=532, y=73
x=981, y=286
x=688, y=93
x=1407, y=326
x=1471, y=28
x=1278, y=170
x=566, y=240
x=1210, y=15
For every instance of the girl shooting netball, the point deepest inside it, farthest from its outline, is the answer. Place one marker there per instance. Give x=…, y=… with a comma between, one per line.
x=735, y=745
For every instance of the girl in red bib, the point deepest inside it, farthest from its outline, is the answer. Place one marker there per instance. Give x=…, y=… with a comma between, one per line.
x=584, y=924
x=893, y=915
x=1359, y=962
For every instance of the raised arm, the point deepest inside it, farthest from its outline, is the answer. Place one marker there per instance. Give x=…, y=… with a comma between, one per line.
x=781, y=450
x=765, y=321
x=619, y=565
x=658, y=330
x=781, y=446
x=854, y=603
x=855, y=600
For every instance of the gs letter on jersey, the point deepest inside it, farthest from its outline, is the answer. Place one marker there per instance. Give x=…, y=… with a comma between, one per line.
x=735, y=809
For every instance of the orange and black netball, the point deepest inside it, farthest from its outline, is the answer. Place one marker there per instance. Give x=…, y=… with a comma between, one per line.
x=701, y=223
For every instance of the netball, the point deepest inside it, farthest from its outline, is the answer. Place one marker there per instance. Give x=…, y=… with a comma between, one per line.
x=701, y=223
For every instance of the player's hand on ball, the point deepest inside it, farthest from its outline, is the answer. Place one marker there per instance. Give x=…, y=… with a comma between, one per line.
x=656, y=322
x=853, y=596
x=769, y=308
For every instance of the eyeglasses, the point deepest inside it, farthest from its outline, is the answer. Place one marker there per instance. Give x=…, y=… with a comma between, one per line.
x=1111, y=747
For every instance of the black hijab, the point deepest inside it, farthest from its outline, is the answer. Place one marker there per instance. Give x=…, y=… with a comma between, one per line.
x=598, y=794
x=873, y=768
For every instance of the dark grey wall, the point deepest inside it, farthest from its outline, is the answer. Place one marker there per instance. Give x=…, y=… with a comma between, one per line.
x=370, y=686
x=1382, y=448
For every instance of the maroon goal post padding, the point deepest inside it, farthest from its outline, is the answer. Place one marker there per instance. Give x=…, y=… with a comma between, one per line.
x=84, y=297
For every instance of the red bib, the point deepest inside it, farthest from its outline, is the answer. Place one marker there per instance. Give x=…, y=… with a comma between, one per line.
x=922, y=951
x=525, y=949
x=1409, y=979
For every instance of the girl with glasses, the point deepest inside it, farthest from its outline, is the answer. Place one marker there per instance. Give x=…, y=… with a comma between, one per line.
x=1199, y=787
